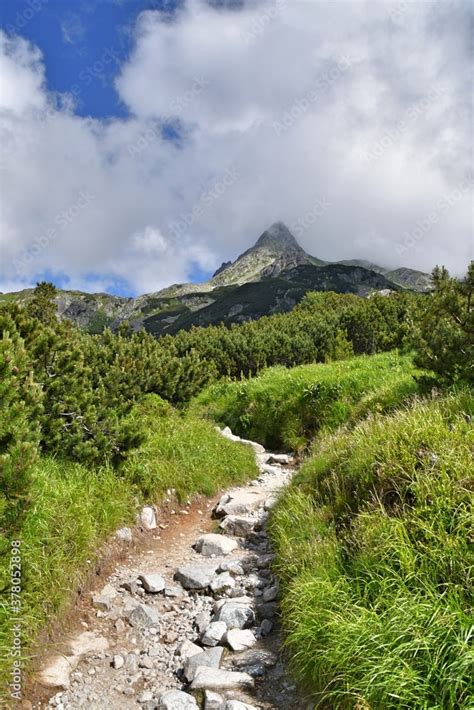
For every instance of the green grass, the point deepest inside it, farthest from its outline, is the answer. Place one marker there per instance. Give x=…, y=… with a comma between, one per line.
x=73, y=509
x=373, y=555
x=284, y=408
x=185, y=453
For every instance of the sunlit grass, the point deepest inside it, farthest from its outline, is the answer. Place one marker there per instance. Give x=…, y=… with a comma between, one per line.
x=375, y=561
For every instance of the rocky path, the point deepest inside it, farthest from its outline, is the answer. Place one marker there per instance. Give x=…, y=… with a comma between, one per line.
x=190, y=622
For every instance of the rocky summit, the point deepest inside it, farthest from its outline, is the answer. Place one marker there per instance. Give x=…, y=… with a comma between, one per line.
x=270, y=277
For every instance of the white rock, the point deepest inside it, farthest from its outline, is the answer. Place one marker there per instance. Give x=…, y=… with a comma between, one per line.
x=176, y=700
x=187, y=649
x=238, y=525
x=211, y=658
x=148, y=518
x=235, y=615
x=152, y=582
x=57, y=671
x=212, y=544
x=145, y=697
x=222, y=582
x=216, y=678
x=87, y=642
x=124, y=534
x=240, y=639
x=213, y=700
x=118, y=662
x=238, y=705
x=214, y=633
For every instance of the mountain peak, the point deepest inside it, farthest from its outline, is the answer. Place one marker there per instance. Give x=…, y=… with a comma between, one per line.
x=278, y=238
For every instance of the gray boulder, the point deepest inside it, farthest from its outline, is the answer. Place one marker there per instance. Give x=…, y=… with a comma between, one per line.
x=218, y=679
x=196, y=576
x=211, y=658
x=235, y=615
x=212, y=544
x=152, y=582
x=176, y=700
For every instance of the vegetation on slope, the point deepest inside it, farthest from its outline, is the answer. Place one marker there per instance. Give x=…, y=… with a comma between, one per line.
x=373, y=555
x=284, y=408
x=73, y=508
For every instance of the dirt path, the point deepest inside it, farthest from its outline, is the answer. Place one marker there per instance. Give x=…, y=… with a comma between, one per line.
x=174, y=628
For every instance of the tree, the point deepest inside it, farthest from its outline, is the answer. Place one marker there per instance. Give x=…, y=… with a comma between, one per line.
x=42, y=306
x=445, y=334
x=20, y=409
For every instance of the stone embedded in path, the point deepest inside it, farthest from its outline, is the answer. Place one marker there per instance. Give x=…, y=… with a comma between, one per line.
x=235, y=615
x=187, y=649
x=227, y=432
x=56, y=673
x=213, y=700
x=87, y=642
x=222, y=582
x=239, y=502
x=176, y=700
x=148, y=518
x=143, y=616
x=124, y=534
x=212, y=544
x=214, y=633
x=118, y=662
x=240, y=639
x=211, y=658
x=196, y=576
x=233, y=566
x=218, y=679
x=282, y=459
x=270, y=593
x=238, y=525
x=152, y=582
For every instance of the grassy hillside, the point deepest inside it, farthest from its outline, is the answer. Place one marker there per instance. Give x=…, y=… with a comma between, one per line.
x=373, y=556
x=73, y=508
x=285, y=407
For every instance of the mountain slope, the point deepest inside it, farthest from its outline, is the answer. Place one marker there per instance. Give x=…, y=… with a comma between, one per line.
x=272, y=276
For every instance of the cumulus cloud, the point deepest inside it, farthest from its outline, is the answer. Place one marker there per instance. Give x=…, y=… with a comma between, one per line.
x=363, y=107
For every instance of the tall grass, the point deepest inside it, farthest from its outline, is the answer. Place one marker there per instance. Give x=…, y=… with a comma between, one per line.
x=373, y=554
x=74, y=508
x=285, y=407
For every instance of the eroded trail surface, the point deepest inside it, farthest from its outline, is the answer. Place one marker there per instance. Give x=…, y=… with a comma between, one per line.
x=190, y=622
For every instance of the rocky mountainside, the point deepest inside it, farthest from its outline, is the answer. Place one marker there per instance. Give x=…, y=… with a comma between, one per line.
x=270, y=277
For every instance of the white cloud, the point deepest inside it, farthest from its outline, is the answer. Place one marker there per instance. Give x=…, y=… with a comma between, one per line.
x=295, y=97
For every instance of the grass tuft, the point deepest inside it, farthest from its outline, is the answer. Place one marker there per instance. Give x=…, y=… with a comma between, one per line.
x=373, y=554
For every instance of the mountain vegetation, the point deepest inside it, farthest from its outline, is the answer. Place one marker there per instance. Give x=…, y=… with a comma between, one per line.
x=270, y=277
x=93, y=424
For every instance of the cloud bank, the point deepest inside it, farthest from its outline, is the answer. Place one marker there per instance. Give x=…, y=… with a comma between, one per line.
x=238, y=117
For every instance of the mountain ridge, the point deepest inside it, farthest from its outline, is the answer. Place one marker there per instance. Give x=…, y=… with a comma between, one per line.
x=270, y=277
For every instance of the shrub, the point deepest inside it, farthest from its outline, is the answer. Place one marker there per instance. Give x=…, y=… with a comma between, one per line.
x=286, y=407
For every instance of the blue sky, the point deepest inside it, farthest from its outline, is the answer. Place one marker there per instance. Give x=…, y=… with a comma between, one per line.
x=75, y=36
x=144, y=142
